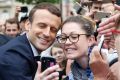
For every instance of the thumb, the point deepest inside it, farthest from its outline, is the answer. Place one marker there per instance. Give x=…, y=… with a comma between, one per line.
x=96, y=53
x=104, y=55
x=39, y=67
x=117, y=7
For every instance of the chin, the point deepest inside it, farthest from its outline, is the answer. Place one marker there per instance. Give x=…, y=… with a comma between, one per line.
x=70, y=57
x=42, y=48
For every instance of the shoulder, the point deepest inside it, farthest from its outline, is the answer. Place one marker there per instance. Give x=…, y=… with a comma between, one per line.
x=17, y=47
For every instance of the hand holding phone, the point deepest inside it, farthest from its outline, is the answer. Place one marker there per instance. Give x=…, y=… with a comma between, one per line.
x=49, y=73
x=47, y=62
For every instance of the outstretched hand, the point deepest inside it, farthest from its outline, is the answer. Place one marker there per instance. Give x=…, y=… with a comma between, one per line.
x=99, y=66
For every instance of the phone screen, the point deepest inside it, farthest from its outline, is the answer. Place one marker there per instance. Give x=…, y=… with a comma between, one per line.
x=100, y=15
x=47, y=62
x=100, y=44
x=24, y=9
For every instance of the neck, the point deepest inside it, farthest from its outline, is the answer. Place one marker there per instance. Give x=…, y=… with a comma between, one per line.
x=83, y=62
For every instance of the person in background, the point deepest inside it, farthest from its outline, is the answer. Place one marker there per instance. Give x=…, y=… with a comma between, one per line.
x=109, y=28
x=12, y=27
x=3, y=38
x=76, y=42
x=22, y=21
x=58, y=54
x=96, y=6
x=17, y=57
x=2, y=27
x=23, y=26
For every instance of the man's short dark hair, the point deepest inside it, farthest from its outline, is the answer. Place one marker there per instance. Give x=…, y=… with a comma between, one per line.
x=48, y=6
x=12, y=21
x=23, y=19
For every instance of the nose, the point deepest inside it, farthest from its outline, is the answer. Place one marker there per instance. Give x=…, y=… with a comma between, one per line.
x=58, y=54
x=12, y=32
x=46, y=32
x=68, y=41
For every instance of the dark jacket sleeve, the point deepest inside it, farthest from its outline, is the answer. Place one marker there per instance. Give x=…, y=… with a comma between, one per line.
x=11, y=69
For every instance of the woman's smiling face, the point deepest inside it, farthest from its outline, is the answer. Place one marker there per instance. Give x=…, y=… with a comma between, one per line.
x=78, y=49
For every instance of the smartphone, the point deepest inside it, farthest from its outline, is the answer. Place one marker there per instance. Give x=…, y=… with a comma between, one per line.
x=24, y=9
x=79, y=9
x=47, y=62
x=100, y=44
x=100, y=15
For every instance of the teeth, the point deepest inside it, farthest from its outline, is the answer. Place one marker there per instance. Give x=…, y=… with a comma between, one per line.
x=43, y=40
x=70, y=49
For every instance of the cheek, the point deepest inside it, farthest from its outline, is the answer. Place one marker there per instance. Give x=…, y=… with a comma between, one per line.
x=54, y=56
x=52, y=38
x=83, y=46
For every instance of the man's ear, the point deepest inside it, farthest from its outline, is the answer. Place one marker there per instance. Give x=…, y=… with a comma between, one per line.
x=91, y=40
x=27, y=25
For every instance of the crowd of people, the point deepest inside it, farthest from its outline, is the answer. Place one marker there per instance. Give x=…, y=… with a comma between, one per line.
x=75, y=49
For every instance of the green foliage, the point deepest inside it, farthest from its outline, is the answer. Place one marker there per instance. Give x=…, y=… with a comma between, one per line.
x=37, y=1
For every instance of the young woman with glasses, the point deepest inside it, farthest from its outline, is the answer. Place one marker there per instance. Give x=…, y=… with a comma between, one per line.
x=76, y=37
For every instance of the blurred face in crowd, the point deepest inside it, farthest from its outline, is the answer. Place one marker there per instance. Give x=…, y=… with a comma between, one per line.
x=96, y=7
x=58, y=54
x=2, y=27
x=43, y=29
x=22, y=26
x=78, y=49
x=11, y=29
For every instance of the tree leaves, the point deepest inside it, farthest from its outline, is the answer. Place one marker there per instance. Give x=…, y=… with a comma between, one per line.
x=37, y=1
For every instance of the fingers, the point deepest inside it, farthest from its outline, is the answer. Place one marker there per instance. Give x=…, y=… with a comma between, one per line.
x=107, y=21
x=53, y=76
x=95, y=54
x=50, y=70
x=107, y=28
x=117, y=7
x=108, y=36
x=39, y=68
x=38, y=72
x=104, y=55
x=18, y=9
x=112, y=19
x=111, y=43
x=48, y=74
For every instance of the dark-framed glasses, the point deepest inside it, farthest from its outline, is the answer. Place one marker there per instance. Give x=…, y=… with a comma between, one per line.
x=72, y=38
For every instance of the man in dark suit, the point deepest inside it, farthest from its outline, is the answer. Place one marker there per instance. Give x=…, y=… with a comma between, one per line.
x=17, y=56
x=4, y=39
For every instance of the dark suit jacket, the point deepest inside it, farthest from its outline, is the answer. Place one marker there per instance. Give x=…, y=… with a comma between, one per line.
x=17, y=60
x=4, y=39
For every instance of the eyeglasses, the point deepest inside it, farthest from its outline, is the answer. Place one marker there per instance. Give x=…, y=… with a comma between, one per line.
x=72, y=37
